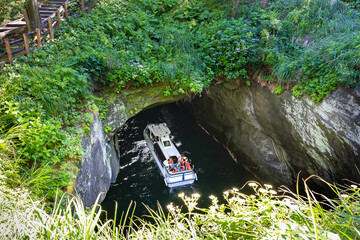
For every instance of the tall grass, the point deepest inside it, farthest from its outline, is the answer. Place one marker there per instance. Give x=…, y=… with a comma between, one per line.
x=266, y=214
x=10, y=161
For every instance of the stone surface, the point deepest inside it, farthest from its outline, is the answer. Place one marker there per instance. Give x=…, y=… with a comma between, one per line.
x=276, y=136
x=100, y=166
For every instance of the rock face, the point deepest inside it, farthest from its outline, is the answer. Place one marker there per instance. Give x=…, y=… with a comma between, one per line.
x=100, y=166
x=279, y=135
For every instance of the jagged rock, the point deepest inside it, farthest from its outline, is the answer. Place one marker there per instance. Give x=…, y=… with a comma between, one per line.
x=277, y=136
x=99, y=167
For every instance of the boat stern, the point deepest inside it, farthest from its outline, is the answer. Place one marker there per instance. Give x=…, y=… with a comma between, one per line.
x=180, y=178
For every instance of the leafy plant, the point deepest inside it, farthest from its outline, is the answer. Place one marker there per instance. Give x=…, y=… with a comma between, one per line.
x=228, y=45
x=107, y=129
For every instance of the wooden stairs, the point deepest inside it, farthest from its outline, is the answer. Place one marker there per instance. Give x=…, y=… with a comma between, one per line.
x=49, y=9
x=46, y=10
x=17, y=26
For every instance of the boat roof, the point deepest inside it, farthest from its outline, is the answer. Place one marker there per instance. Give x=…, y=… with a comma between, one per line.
x=160, y=130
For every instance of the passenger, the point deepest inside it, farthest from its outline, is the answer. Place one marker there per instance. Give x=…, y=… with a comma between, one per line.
x=187, y=164
x=182, y=168
x=170, y=161
x=189, y=168
x=174, y=171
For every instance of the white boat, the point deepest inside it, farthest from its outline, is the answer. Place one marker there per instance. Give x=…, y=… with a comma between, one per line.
x=176, y=168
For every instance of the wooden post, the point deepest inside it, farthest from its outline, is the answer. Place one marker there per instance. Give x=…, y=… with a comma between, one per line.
x=82, y=6
x=58, y=18
x=8, y=50
x=65, y=10
x=38, y=37
x=26, y=18
x=26, y=44
x=51, y=29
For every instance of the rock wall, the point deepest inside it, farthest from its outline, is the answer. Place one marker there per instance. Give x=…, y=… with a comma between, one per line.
x=100, y=166
x=276, y=136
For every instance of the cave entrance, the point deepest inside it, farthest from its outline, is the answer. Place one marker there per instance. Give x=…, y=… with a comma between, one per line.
x=139, y=178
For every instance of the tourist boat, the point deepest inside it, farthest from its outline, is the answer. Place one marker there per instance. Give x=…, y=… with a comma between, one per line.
x=176, y=168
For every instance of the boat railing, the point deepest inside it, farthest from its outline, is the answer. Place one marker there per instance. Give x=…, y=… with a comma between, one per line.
x=182, y=172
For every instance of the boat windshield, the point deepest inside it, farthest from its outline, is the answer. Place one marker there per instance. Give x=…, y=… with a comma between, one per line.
x=166, y=143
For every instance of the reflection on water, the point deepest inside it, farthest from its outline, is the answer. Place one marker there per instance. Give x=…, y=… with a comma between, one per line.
x=140, y=179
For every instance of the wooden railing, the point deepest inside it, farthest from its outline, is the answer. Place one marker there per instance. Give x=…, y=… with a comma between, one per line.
x=48, y=26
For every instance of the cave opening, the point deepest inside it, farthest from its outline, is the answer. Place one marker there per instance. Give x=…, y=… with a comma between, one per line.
x=139, y=178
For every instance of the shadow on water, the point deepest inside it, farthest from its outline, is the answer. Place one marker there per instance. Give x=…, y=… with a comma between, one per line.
x=139, y=178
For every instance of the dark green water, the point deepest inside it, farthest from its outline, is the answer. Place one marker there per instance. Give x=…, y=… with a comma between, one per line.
x=140, y=179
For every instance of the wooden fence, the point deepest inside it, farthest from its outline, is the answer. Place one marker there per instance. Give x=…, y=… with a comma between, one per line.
x=48, y=26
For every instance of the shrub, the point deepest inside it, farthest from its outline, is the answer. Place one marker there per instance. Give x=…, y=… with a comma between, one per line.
x=227, y=46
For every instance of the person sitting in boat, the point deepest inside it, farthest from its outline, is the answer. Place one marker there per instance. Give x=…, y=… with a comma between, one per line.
x=182, y=160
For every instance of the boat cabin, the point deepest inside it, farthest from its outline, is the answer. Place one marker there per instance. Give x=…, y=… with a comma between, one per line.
x=160, y=133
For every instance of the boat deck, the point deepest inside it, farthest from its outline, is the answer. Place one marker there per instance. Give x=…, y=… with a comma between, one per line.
x=174, y=167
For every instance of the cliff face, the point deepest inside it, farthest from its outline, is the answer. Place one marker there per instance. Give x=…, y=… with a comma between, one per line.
x=100, y=166
x=281, y=135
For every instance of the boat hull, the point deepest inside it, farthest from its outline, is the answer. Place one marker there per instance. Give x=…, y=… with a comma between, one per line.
x=171, y=179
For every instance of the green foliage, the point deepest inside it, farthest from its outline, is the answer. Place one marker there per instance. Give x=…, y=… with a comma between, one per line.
x=127, y=45
x=23, y=218
x=56, y=90
x=279, y=89
x=261, y=215
x=10, y=10
x=45, y=150
x=107, y=129
x=130, y=71
x=228, y=45
x=312, y=43
x=354, y=3
x=46, y=104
